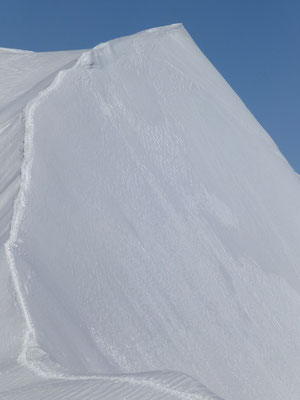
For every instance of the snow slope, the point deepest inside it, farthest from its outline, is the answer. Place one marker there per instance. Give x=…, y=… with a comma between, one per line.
x=156, y=229
x=22, y=75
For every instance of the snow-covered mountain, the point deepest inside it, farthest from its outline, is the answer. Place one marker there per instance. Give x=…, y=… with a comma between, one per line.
x=149, y=228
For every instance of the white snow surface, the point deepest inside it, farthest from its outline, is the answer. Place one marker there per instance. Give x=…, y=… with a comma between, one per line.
x=149, y=226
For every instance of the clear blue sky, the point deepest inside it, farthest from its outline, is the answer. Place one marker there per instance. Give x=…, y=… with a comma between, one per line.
x=254, y=44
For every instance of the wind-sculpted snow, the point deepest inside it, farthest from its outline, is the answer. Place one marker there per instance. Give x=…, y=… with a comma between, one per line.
x=20, y=384
x=24, y=83
x=156, y=229
x=22, y=75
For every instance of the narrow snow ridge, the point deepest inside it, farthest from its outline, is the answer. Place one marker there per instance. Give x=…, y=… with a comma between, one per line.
x=8, y=50
x=29, y=341
x=31, y=355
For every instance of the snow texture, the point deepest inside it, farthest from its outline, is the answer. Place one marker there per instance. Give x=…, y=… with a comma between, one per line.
x=151, y=226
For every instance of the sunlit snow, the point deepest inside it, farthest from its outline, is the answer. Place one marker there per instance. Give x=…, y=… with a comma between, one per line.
x=150, y=230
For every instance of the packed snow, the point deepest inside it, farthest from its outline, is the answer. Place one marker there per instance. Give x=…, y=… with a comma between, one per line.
x=149, y=230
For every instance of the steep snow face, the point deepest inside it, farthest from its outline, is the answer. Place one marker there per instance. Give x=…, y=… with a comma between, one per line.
x=157, y=226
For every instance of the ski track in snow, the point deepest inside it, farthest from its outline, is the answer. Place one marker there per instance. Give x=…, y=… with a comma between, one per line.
x=30, y=337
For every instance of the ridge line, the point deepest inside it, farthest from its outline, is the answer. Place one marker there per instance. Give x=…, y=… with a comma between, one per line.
x=30, y=341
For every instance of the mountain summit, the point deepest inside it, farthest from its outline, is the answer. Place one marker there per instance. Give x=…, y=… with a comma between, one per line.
x=150, y=230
